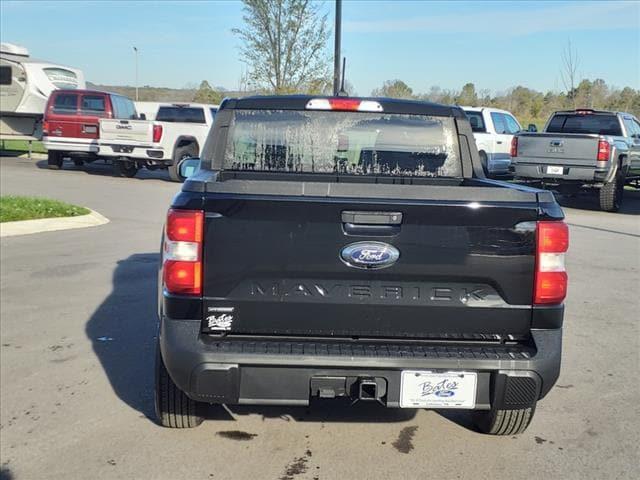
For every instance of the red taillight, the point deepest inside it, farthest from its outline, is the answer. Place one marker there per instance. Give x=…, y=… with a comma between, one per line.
x=157, y=133
x=182, y=255
x=347, y=104
x=45, y=128
x=604, y=151
x=514, y=147
x=552, y=242
x=344, y=104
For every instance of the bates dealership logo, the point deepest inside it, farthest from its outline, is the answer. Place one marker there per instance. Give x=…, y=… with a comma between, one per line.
x=369, y=255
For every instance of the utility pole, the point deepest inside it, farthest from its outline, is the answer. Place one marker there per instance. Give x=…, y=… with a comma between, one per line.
x=135, y=49
x=336, y=51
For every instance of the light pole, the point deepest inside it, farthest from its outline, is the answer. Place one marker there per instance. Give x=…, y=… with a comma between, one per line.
x=135, y=49
x=336, y=51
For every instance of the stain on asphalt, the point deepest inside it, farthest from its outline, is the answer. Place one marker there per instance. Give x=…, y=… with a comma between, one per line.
x=236, y=435
x=63, y=359
x=564, y=386
x=297, y=467
x=404, y=442
x=111, y=462
x=540, y=440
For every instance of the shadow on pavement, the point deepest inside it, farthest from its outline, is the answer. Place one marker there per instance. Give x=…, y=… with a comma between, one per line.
x=101, y=168
x=123, y=331
x=589, y=201
x=340, y=410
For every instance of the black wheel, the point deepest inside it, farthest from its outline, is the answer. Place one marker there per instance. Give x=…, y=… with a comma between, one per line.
x=173, y=408
x=484, y=162
x=78, y=162
x=504, y=422
x=124, y=168
x=179, y=155
x=54, y=160
x=611, y=194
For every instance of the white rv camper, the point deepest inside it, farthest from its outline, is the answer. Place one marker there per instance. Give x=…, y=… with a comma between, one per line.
x=25, y=85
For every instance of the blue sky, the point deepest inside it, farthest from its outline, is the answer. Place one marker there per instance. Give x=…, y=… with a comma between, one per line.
x=496, y=45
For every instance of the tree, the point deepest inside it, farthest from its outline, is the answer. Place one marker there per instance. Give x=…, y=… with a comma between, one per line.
x=568, y=71
x=206, y=94
x=468, y=95
x=284, y=45
x=393, y=89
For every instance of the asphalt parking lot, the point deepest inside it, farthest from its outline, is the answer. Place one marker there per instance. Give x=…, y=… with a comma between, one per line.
x=77, y=326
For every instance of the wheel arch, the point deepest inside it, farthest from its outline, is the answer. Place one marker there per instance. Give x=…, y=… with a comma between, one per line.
x=185, y=140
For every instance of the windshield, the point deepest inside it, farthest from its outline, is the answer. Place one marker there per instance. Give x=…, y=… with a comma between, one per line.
x=349, y=143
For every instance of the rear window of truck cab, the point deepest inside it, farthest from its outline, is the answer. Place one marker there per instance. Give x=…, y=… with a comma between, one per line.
x=181, y=114
x=476, y=121
x=65, y=103
x=345, y=143
x=93, y=105
x=599, y=124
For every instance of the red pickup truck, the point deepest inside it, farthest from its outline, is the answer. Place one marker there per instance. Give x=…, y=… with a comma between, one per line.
x=72, y=123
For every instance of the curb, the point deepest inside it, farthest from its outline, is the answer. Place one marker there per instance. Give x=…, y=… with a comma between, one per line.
x=28, y=227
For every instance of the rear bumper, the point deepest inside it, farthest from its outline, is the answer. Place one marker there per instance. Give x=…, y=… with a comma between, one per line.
x=70, y=144
x=284, y=372
x=146, y=152
x=570, y=173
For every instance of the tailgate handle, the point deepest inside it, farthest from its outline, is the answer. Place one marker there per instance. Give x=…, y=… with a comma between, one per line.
x=372, y=218
x=367, y=224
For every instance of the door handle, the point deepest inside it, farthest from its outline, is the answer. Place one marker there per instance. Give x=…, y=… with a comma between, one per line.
x=499, y=142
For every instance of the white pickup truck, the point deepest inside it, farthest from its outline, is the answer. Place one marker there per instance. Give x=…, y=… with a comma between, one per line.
x=493, y=130
x=178, y=132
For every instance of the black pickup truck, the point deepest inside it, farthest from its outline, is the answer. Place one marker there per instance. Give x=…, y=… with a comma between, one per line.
x=348, y=247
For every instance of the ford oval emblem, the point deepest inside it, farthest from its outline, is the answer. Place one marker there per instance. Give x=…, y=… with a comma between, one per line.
x=445, y=393
x=369, y=255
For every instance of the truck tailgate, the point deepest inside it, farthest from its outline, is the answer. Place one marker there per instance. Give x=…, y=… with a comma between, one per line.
x=558, y=149
x=273, y=264
x=129, y=131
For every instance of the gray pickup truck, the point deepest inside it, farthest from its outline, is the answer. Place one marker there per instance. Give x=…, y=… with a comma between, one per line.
x=582, y=149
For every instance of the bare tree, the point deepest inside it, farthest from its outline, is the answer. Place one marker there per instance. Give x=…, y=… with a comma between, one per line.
x=568, y=71
x=284, y=45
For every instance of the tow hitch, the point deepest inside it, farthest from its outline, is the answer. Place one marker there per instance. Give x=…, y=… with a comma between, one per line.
x=358, y=388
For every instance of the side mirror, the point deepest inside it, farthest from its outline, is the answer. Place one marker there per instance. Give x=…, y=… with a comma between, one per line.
x=532, y=128
x=142, y=116
x=189, y=166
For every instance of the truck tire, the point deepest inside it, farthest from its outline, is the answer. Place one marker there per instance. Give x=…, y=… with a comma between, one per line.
x=125, y=168
x=484, y=162
x=504, y=422
x=54, y=160
x=179, y=155
x=611, y=194
x=173, y=408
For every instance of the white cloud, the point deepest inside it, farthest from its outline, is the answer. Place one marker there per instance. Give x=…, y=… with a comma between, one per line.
x=550, y=18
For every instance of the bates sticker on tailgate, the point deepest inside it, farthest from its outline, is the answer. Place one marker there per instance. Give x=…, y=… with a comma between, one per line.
x=219, y=319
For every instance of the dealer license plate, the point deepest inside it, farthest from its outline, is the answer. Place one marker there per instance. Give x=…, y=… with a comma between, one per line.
x=422, y=389
x=555, y=170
